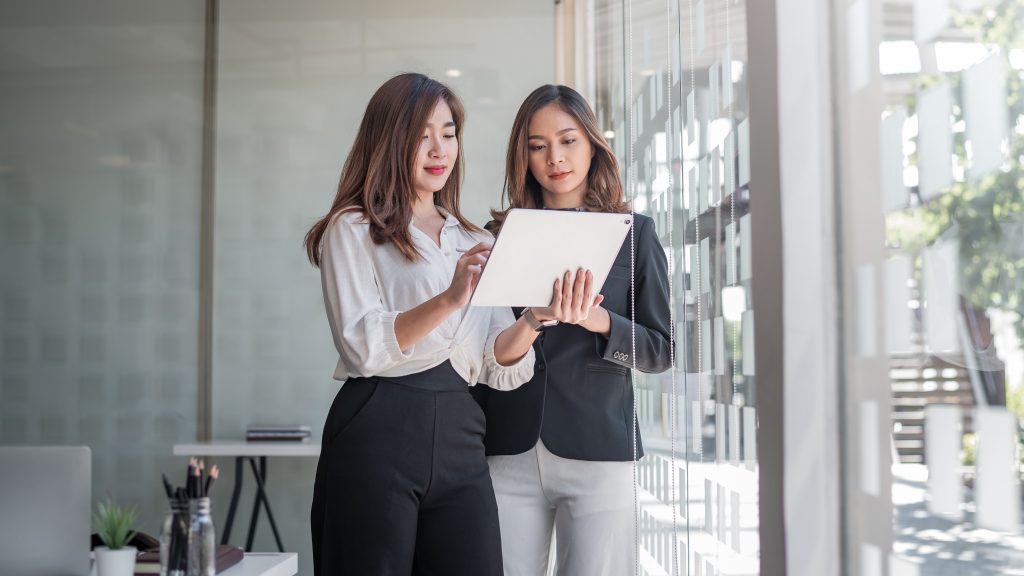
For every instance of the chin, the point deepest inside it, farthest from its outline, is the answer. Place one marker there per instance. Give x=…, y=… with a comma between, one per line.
x=564, y=187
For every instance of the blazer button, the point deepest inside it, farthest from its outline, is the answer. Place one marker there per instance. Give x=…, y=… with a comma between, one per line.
x=540, y=367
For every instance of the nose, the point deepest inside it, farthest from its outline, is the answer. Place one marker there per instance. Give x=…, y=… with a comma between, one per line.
x=436, y=147
x=555, y=156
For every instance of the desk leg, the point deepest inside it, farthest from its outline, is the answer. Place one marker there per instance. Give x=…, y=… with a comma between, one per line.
x=261, y=494
x=235, y=493
x=255, y=506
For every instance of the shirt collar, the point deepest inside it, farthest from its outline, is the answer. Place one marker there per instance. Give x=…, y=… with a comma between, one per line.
x=449, y=220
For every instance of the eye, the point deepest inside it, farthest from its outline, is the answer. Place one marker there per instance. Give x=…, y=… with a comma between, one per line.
x=449, y=136
x=569, y=141
x=536, y=147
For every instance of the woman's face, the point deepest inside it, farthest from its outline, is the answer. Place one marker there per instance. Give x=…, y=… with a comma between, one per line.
x=560, y=154
x=438, y=151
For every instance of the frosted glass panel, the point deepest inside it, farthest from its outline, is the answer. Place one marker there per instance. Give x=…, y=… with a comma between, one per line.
x=858, y=51
x=898, y=315
x=894, y=193
x=998, y=484
x=943, y=443
x=930, y=17
x=100, y=156
x=869, y=453
x=928, y=164
x=985, y=113
x=866, y=321
x=871, y=561
x=935, y=141
x=942, y=296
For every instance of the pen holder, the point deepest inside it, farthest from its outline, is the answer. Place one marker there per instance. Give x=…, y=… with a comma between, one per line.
x=188, y=542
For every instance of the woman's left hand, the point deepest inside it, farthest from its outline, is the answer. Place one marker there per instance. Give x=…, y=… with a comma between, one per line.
x=572, y=299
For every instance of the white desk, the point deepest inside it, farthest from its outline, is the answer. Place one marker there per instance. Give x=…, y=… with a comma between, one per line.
x=251, y=451
x=257, y=564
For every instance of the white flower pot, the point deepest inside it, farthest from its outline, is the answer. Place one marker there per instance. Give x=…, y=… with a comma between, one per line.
x=119, y=562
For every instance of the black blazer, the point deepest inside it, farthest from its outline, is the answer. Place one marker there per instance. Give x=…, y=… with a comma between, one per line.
x=580, y=399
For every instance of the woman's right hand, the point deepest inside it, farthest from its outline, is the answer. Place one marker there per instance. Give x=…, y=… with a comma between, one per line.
x=467, y=274
x=572, y=299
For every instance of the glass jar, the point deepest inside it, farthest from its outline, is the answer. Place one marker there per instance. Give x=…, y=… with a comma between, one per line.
x=202, y=539
x=174, y=539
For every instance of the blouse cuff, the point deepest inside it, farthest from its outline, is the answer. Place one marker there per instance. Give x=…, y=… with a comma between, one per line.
x=394, y=352
x=505, y=377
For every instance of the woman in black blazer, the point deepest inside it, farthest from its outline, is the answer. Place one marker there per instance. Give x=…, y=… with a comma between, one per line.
x=560, y=447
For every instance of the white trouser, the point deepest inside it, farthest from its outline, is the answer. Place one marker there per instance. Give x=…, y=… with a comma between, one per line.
x=589, y=504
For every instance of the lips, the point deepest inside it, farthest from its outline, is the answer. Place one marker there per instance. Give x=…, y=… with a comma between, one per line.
x=435, y=170
x=559, y=175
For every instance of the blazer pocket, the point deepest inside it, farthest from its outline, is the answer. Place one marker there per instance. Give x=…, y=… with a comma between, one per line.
x=608, y=368
x=353, y=401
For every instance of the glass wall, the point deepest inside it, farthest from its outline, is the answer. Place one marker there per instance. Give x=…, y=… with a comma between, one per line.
x=668, y=83
x=100, y=159
x=930, y=150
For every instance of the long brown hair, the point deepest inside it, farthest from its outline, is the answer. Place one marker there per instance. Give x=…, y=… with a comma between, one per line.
x=377, y=179
x=604, y=188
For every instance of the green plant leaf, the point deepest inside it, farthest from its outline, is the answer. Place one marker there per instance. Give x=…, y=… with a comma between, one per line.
x=113, y=524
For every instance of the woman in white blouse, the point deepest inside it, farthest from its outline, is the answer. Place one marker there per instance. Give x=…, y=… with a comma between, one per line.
x=402, y=485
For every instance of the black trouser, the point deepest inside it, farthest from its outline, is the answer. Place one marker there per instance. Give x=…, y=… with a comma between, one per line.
x=402, y=485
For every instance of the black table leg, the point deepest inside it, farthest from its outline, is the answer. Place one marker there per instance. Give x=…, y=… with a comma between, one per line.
x=255, y=507
x=235, y=493
x=261, y=478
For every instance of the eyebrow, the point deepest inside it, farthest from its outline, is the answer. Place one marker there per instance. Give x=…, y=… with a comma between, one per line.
x=450, y=124
x=559, y=133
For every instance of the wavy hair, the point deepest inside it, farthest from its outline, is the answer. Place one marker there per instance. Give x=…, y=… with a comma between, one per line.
x=521, y=190
x=377, y=179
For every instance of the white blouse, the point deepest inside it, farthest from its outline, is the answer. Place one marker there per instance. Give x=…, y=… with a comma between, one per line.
x=367, y=285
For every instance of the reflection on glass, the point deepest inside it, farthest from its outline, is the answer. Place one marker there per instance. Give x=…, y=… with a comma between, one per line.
x=681, y=69
x=949, y=236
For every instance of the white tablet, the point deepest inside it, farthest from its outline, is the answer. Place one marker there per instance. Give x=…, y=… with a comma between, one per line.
x=537, y=246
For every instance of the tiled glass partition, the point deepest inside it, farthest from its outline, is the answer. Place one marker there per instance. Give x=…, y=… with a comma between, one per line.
x=668, y=82
x=931, y=197
x=100, y=157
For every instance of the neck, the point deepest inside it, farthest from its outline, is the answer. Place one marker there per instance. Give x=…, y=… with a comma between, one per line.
x=572, y=199
x=424, y=205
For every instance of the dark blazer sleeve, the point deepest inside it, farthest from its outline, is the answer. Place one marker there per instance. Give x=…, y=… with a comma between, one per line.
x=653, y=350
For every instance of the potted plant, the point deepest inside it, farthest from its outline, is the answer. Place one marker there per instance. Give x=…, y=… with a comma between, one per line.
x=113, y=525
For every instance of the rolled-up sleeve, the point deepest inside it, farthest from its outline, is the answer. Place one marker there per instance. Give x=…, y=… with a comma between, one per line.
x=363, y=330
x=494, y=374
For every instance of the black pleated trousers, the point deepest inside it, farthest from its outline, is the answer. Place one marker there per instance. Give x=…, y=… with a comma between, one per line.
x=402, y=485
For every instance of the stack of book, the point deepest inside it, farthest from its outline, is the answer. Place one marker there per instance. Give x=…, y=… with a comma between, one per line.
x=277, y=433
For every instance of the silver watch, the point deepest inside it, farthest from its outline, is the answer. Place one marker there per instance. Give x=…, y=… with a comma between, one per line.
x=534, y=322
